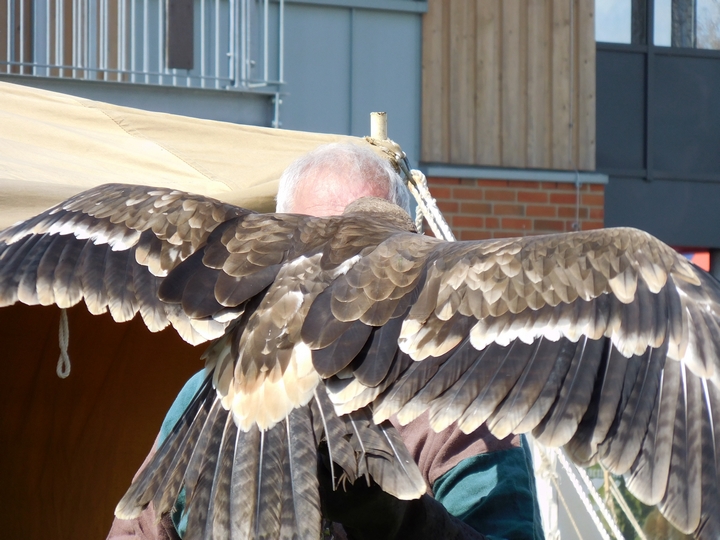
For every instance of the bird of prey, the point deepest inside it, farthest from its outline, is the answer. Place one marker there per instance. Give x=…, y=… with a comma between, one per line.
x=605, y=342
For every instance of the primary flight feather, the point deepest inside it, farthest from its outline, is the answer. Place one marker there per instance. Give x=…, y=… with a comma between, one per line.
x=605, y=342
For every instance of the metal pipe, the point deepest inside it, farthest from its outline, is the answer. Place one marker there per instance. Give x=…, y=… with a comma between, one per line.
x=122, y=63
x=217, y=44
x=88, y=26
x=93, y=43
x=231, y=45
x=202, y=42
x=243, y=37
x=265, y=39
x=74, y=38
x=59, y=35
x=47, y=36
x=8, y=52
x=161, y=37
x=102, y=38
x=281, y=42
x=146, y=41
x=132, y=40
x=22, y=35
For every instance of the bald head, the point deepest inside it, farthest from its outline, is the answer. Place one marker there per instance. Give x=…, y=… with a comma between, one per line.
x=323, y=182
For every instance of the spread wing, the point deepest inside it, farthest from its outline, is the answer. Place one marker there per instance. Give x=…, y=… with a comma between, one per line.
x=112, y=246
x=605, y=342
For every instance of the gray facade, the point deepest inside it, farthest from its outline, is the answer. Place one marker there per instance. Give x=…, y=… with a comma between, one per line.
x=330, y=63
x=658, y=112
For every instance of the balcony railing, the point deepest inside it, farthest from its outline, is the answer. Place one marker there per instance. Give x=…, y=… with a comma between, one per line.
x=223, y=44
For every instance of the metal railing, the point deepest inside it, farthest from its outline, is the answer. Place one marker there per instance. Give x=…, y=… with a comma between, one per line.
x=126, y=41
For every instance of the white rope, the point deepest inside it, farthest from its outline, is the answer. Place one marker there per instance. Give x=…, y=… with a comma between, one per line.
x=417, y=184
x=428, y=207
x=63, y=363
x=618, y=496
x=586, y=502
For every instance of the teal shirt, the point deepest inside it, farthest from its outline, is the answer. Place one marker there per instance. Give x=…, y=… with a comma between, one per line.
x=181, y=403
x=494, y=493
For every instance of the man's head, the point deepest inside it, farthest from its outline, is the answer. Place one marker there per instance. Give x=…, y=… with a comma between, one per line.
x=324, y=181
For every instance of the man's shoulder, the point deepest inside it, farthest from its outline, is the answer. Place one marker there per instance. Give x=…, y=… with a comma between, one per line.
x=181, y=403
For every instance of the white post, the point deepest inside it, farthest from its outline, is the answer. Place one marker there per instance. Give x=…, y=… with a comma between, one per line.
x=378, y=126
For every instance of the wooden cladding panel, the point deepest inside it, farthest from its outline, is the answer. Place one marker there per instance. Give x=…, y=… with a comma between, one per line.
x=509, y=83
x=487, y=91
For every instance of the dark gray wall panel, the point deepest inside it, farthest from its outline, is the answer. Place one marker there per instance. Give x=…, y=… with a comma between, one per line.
x=686, y=115
x=620, y=110
x=386, y=56
x=236, y=107
x=341, y=64
x=317, y=69
x=679, y=213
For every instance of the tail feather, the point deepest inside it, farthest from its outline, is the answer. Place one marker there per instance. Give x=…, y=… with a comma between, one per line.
x=361, y=448
x=160, y=481
x=218, y=521
x=243, y=485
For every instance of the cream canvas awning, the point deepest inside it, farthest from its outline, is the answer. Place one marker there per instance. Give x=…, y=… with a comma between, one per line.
x=54, y=145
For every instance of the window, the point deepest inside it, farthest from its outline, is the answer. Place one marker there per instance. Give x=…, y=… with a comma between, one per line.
x=613, y=21
x=676, y=23
x=687, y=23
x=621, y=21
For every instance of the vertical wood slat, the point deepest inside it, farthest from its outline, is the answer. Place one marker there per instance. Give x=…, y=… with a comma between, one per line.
x=526, y=99
x=462, y=83
x=560, y=86
x=487, y=90
x=586, y=85
x=513, y=102
x=432, y=84
x=538, y=87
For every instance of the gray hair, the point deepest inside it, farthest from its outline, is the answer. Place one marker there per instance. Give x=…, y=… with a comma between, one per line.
x=352, y=160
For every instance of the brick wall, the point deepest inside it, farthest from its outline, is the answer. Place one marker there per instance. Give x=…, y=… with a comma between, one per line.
x=479, y=209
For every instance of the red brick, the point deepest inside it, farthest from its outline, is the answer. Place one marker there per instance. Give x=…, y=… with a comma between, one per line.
x=473, y=234
x=532, y=196
x=597, y=187
x=516, y=223
x=493, y=183
x=468, y=182
x=571, y=212
x=537, y=210
x=492, y=223
x=567, y=186
x=448, y=206
x=548, y=225
x=441, y=193
x=593, y=200
x=467, y=193
x=563, y=198
x=475, y=208
x=597, y=213
x=549, y=185
x=523, y=184
x=500, y=194
x=508, y=210
x=588, y=225
x=440, y=180
x=468, y=221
